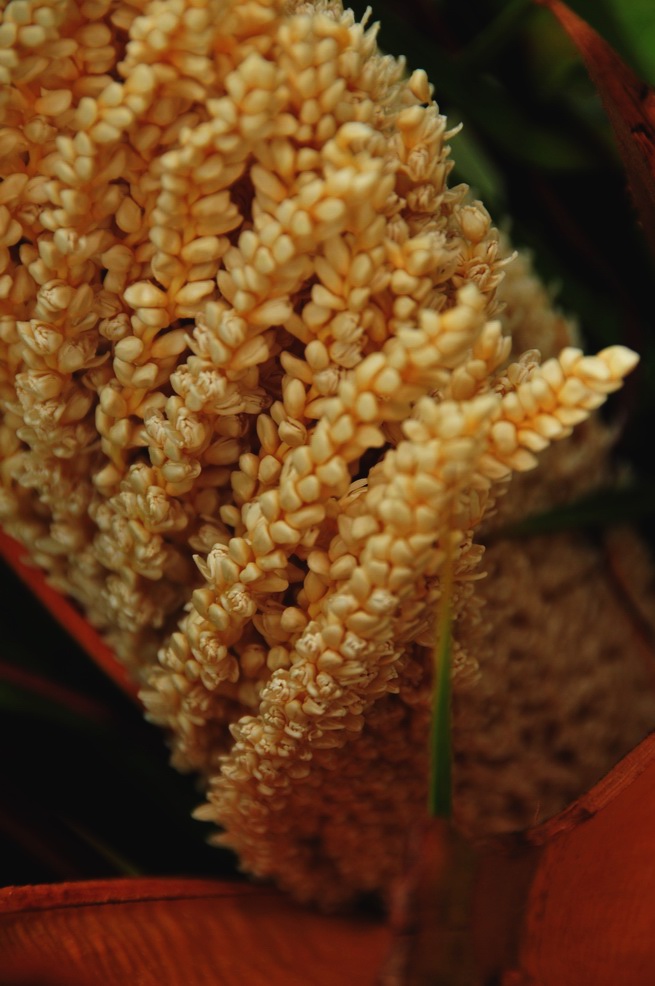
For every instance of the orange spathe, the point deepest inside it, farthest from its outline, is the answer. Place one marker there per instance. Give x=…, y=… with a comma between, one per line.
x=168, y=932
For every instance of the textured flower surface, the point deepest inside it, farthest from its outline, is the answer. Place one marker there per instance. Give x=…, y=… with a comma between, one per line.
x=258, y=382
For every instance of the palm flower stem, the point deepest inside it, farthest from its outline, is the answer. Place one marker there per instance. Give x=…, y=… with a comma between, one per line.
x=431, y=910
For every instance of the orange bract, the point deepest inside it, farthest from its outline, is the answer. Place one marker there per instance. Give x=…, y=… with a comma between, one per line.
x=172, y=932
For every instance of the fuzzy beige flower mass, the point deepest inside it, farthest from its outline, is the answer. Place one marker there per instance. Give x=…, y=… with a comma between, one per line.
x=256, y=383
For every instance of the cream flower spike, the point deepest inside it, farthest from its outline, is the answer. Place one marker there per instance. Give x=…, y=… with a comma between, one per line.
x=255, y=383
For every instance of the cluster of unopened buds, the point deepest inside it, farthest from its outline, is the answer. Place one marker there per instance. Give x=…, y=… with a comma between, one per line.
x=256, y=387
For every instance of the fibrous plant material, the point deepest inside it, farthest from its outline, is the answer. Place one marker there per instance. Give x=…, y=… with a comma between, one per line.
x=564, y=644
x=256, y=385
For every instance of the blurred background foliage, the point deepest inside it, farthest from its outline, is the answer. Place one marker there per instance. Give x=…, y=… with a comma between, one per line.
x=85, y=786
x=86, y=790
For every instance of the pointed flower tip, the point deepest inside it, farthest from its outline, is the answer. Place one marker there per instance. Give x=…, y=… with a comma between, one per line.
x=620, y=360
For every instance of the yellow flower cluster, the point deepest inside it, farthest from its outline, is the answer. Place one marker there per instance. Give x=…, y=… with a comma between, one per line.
x=245, y=322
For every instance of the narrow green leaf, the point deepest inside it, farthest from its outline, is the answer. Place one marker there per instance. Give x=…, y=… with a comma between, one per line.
x=440, y=795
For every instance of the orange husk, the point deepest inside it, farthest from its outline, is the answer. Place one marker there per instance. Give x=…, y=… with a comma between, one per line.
x=164, y=932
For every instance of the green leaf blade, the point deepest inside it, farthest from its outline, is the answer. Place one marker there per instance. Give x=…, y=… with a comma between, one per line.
x=440, y=791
